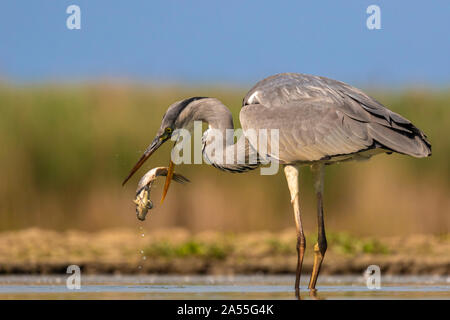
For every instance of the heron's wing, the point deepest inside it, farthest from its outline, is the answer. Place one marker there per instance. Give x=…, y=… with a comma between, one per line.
x=327, y=117
x=307, y=133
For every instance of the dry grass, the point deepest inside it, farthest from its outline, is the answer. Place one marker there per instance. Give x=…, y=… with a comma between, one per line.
x=180, y=251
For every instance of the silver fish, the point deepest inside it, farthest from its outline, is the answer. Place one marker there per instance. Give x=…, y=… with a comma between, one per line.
x=142, y=200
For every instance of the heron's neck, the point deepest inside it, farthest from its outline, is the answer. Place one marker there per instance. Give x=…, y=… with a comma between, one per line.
x=234, y=157
x=213, y=112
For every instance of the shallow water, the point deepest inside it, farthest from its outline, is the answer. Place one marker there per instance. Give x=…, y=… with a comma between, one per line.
x=220, y=287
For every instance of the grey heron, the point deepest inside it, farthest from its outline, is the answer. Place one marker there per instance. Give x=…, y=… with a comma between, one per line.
x=321, y=121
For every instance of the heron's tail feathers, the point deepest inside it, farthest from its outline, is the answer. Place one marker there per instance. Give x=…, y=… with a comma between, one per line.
x=407, y=140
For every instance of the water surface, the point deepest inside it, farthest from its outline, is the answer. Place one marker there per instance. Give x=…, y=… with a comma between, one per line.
x=220, y=287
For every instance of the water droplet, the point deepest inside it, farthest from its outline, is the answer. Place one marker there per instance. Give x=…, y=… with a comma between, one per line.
x=142, y=251
x=143, y=235
x=144, y=258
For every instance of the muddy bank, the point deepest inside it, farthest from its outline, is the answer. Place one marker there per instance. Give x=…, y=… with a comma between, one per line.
x=177, y=251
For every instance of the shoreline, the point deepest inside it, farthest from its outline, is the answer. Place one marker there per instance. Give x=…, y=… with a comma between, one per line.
x=35, y=251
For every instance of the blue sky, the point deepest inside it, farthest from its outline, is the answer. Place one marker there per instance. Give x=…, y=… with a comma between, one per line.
x=235, y=42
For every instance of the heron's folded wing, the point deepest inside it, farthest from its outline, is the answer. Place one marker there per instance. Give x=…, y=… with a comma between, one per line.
x=313, y=129
x=330, y=111
x=308, y=131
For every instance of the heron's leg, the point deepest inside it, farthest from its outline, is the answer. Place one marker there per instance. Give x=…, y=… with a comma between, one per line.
x=291, y=173
x=321, y=246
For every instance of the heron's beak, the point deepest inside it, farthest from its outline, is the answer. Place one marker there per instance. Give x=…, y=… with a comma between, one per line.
x=156, y=143
x=168, y=179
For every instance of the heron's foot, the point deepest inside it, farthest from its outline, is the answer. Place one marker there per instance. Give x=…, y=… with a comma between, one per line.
x=318, y=258
x=301, y=245
x=297, y=294
x=313, y=295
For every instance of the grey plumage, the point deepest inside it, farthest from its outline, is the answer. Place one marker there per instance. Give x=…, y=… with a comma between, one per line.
x=182, y=114
x=320, y=118
x=320, y=121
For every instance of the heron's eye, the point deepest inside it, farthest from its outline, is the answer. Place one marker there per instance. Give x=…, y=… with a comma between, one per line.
x=169, y=130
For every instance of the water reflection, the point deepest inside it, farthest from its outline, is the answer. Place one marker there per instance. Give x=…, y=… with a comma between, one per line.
x=220, y=287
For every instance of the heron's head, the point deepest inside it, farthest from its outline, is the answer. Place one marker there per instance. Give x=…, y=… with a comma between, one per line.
x=173, y=119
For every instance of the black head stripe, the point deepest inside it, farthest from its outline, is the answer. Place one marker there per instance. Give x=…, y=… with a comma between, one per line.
x=174, y=111
x=186, y=102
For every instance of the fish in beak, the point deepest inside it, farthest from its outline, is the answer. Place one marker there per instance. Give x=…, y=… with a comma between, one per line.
x=156, y=143
x=142, y=199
